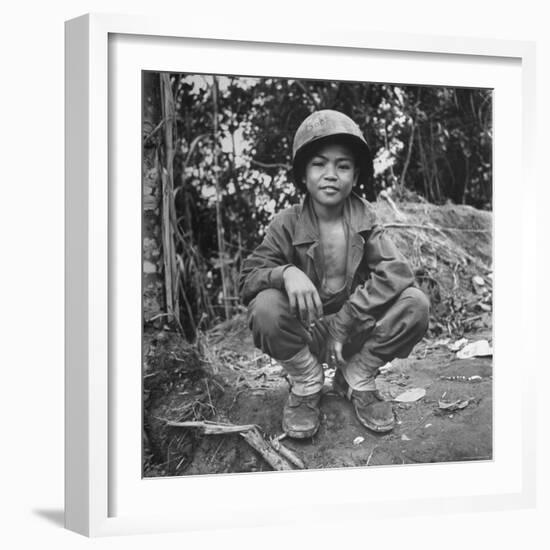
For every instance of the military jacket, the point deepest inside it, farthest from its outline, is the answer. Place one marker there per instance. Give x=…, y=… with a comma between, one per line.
x=376, y=272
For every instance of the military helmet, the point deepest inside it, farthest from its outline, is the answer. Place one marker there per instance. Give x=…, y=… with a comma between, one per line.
x=328, y=126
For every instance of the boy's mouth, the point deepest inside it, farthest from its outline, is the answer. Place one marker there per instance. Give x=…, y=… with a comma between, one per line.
x=330, y=189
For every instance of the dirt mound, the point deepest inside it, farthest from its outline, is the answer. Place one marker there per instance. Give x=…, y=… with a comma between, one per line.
x=223, y=378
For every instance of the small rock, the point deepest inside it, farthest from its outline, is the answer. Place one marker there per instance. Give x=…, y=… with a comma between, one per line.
x=404, y=437
x=358, y=440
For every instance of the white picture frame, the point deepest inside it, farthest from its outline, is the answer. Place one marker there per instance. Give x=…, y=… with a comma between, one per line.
x=104, y=495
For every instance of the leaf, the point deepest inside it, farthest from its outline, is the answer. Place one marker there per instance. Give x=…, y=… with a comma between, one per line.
x=455, y=346
x=481, y=348
x=454, y=405
x=409, y=396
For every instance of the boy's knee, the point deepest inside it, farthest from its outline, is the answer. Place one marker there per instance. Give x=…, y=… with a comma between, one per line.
x=418, y=307
x=266, y=310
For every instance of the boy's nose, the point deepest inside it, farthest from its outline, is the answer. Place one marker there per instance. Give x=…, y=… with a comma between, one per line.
x=330, y=172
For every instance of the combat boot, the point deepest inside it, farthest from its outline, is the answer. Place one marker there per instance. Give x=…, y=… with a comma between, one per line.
x=301, y=415
x=371, y=410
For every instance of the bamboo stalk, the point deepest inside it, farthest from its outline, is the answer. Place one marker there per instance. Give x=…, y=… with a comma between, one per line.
x=219, y=223
x=167, y=177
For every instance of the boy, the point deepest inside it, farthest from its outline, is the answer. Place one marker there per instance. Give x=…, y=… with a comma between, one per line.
x=327, y=285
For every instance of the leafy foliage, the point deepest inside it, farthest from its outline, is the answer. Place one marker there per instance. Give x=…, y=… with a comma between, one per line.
x=429, y=143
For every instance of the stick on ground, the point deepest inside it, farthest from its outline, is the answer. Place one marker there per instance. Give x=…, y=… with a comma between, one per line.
x=212, y=428
x=270, y=455
x=285, y=452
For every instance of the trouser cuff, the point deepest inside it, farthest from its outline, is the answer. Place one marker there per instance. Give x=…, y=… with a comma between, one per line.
x=361, y=370
x=305, y=373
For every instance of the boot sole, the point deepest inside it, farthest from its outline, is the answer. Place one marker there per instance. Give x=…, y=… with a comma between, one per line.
x=378, y=429
x=302, y=434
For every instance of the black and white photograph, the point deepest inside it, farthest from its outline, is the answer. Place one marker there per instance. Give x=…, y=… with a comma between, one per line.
x=317, y=274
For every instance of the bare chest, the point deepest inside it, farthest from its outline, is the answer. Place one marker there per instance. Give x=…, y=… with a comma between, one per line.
x=334, y=253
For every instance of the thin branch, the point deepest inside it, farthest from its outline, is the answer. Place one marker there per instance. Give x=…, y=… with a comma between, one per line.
x=433, y=228
x=212, y=428
x=408, y=158
x=150, y=135
x=271, y=165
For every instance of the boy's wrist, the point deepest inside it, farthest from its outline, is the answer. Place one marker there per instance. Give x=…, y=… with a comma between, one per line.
x=340, y=324
x=276, y=277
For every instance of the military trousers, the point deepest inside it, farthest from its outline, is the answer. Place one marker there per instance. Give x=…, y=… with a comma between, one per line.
x=399, y=327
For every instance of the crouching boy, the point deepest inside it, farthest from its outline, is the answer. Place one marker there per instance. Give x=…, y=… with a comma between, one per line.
x=327, y=285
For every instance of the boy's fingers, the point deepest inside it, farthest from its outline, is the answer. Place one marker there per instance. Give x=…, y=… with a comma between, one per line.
x=302, y=307
x=318, y=304
x=293, y=304
x=311, y=309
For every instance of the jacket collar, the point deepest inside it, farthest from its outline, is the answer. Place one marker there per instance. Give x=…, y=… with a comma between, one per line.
x=358, y=214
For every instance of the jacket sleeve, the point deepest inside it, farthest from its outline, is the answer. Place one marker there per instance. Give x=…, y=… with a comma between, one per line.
x=264, y=268
x=389, y=275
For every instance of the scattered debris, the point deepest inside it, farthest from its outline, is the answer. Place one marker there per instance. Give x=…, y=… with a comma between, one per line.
x=479, y=285
x=455, y=346
x=441, y=342
x=358, y=440
x=481, y=348
x=458, y=377
x=409, y=396
x=454, y=405
x=478, y=281
x=385, y=368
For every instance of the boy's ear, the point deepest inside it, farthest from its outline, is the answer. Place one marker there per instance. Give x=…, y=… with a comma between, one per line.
x=356, y=176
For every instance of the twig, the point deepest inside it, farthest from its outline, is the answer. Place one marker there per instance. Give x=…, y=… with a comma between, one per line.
x=153, y=131
x=212, y=428
x=216, y=452
x=209, y=396
x=258, y=443
x=287, y=453
x=371, y=453
x=384, y=194
x=270, y=164
x=408, y=158
x=438, y=229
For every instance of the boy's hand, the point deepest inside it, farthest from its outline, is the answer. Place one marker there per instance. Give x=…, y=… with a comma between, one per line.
x=302, y=295
x=335, y=352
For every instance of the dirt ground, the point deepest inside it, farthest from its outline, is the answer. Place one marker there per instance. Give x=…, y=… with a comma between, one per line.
x=222, y=378
x=254, y=390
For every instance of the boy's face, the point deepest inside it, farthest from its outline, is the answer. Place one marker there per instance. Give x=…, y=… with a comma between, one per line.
x=330, y=174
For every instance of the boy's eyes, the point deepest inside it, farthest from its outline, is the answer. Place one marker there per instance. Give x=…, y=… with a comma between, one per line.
x=342, y=165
